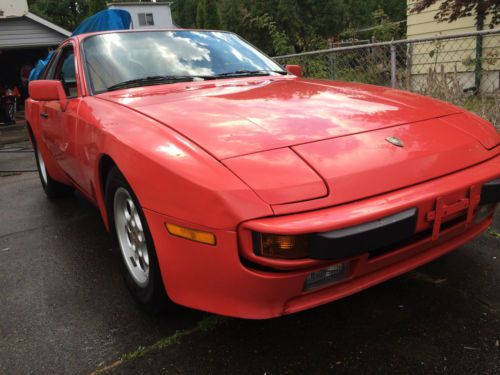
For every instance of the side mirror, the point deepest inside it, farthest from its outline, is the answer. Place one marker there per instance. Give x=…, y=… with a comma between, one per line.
x=46, y=90
x=296, y=70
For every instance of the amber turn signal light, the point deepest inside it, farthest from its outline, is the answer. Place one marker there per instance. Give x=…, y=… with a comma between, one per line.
x=191, y=234
x=281, y=246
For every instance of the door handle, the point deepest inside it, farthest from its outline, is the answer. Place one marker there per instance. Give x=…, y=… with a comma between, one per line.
x=44, y=115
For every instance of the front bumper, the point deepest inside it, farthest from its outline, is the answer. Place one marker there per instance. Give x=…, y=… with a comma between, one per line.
x=230, y=279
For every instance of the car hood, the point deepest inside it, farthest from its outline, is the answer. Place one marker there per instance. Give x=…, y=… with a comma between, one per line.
x=294, y=140
x=236, y=117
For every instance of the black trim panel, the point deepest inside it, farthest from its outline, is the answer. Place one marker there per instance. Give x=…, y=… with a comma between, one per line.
x=490, y=192
x=363, y=238
x=256, y=243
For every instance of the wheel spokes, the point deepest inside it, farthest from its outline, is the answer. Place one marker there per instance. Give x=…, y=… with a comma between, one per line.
x=132, y=239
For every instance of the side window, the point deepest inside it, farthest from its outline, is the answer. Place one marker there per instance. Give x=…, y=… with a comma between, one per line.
x=49, y=66
x=65, y=71
x=146, y=19
x=48, y=73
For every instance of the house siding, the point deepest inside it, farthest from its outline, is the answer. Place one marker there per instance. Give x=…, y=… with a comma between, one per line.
x=455, y=55
x=24, y=32
x=161, y=14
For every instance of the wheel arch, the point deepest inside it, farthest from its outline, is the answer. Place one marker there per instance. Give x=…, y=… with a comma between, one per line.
x=105, y=164
x=31, y=134
x=30, y=131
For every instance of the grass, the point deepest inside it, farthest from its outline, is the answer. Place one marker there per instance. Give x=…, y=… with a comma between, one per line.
x=493, y=233
x=139, y=352
x=487, y=107
x=205, y=325
x=447, y=87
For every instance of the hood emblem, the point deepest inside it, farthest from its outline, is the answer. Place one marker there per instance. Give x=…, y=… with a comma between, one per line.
x=395, y=141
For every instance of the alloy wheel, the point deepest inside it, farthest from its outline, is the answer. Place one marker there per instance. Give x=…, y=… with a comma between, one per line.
x=131, y=237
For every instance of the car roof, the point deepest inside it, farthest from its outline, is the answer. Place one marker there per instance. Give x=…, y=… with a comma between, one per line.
x=81, y=37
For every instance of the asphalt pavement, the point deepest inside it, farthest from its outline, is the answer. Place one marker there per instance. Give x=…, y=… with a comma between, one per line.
x=13, y=132
x=64, y=308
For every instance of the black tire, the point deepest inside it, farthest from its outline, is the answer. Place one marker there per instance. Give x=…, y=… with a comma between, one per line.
x=152, y=297
x=11, y=112
x=5, y=117
x=52, y=188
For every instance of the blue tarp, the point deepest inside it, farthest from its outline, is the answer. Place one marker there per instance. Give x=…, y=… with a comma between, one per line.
x=105, y=20
x=108, y=19
x=39, y=67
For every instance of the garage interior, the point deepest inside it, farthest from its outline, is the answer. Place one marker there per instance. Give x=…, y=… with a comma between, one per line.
x=24, y=39
x=12, y=61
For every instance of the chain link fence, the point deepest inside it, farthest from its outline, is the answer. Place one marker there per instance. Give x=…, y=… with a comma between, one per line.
x=462, y=69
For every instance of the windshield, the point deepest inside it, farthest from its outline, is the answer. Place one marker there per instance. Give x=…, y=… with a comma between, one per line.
x=131, y=59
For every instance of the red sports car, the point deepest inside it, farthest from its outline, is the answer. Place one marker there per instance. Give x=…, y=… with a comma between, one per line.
x=231, y=185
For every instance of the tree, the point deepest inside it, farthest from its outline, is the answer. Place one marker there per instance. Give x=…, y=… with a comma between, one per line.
x=231, y=13
x=96, y=6
x=207, y=15
x=385, y=29
x=201, y=14
x=66, y=13
x=452, y=10
x=212, y=19
x=269, y=24
x=184, y=13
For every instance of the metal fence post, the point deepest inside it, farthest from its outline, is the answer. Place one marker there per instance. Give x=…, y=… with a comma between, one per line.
x=409, y=66
x=330, y=67
x=410, y=70
x=393, y=66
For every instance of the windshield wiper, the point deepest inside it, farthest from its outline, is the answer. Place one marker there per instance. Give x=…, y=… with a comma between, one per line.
x=154, y=80
x=249, y=73
x=157, y=80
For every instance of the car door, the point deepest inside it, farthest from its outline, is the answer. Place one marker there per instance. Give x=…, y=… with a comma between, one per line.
x=59, y=119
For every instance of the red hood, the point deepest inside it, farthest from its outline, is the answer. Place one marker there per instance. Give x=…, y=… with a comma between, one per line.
x=242, y=116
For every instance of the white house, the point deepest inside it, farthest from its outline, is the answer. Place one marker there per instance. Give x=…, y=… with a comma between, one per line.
x=454, y=55
x=19, y=28
x=147, y=15
x=24, y=38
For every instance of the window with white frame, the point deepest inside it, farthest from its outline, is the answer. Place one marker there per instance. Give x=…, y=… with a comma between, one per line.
x=146, y=19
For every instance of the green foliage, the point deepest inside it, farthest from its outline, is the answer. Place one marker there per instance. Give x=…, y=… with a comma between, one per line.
x=207, y=15
x=210, y=323
x=66, y=13
x=279, y=40
x=493, y=233
x=287, y=26
x=275, y=26
x=201, y=14
x=212, y=19
x=169, y=340
x=232, y=13
x=139, y=352
x=184, y=13
x=96, y=6
x=205, y=325
x=386, y=29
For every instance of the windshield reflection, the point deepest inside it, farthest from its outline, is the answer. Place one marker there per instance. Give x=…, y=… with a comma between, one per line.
x=116, y=58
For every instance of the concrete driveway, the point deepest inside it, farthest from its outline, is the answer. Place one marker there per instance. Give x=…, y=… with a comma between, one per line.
x=64, y=309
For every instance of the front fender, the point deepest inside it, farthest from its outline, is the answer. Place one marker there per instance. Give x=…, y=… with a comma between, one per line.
x=168, y=173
